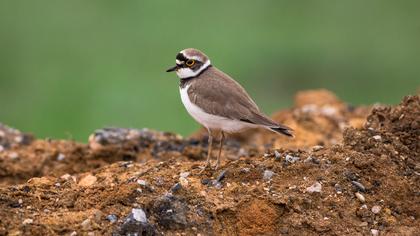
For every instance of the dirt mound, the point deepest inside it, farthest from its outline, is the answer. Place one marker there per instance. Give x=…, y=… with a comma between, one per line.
x=337, y=177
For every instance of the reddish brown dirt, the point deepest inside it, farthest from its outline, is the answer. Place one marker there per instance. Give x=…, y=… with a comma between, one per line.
x=365, y=160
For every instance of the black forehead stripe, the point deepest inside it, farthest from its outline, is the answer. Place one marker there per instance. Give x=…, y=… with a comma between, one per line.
x=181, y=57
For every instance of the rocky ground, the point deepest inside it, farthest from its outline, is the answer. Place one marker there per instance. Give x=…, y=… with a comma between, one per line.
x=349, y=171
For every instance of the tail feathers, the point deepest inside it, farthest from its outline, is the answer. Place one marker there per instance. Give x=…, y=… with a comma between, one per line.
x=283, y=130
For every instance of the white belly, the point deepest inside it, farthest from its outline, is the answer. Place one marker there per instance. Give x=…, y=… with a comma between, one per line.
x=208, y=120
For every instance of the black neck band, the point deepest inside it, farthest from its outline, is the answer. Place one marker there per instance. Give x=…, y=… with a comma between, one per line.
x=184, y=81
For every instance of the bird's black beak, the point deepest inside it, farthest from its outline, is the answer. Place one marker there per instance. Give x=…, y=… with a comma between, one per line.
x=172, y=68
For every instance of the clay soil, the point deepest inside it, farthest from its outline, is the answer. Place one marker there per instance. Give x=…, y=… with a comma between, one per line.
x=348, y=171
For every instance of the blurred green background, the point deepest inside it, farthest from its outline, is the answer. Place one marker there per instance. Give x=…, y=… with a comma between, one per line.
x=69, y=67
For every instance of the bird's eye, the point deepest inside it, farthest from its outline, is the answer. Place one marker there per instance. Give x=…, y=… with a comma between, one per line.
x=190, y=62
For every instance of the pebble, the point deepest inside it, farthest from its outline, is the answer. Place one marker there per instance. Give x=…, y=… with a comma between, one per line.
x=74, y=233
x=1, y=148
x=205, y=181
x=28, y=221
x=363, y=224
x=338, y=189
x=176, y=187
x=87, y=181
x=315, y=188
x=61, y=157
x=91, y=234
x=292, y=159
x=221, y=176
x=317, y=148
x=184, y=174
x=13, y=155
x=142, y=182
x=139, y=215
x=374, y=232
x=183, y=181
x=360, y=197
x=377, y=137
x=86, y=225
x=359, y=186
x=112, y=218
x=268, y=174
x=376, y=209
x=277, y=155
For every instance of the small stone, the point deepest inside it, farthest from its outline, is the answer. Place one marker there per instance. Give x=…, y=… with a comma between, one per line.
x=142, y=182
x=87, y=181
x=74, y=233
x=139, y=215
x=27, y=221
x=20, y=201
x=376, y=209
x=277, y=155
x=66, y=176
x=359, y=186
x=221, y=176
x=317, y=148
x=176, y=187
x=61, y=157
x=112, y=218
x=86, y=224
x=91, y=234
x=360, y=197
x=183, y=181
x=205, y=181
x=377, y=137
x=268, y=174
x=292, y=159
x=13, y=155
x=374, y=232
x=315, y=188
x=184, y=174
x=338, y=189
x=363, y=224
x=1, y=148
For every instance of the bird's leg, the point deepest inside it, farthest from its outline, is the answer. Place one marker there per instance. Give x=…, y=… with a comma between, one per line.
x=210, y=142
x=220, y=150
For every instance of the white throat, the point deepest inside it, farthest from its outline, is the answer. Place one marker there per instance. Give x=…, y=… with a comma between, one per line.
x=187, y=72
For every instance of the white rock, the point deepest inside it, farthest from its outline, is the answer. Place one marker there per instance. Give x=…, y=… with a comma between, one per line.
x=315, y=188
x=139, y=215
x=141, y=182
x=377, y=137
x=374, y=232
x=268, y=174
x=376, y=209
x=184, y=174
x=360, y=197
x=61, y=157
x=28, y=221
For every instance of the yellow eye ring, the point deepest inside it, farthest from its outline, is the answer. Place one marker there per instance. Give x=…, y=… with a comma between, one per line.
x=190, y=62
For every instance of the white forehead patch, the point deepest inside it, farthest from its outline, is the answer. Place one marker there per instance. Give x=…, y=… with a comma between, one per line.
x=187, y=72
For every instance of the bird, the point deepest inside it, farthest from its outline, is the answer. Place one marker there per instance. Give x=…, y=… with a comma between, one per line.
x=217, y=101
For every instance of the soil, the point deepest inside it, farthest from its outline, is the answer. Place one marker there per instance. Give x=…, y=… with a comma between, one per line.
x=348, y=171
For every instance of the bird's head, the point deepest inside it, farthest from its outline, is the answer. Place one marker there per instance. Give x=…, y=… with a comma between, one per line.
x=190, y=62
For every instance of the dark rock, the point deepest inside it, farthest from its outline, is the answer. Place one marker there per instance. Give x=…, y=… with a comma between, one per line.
x=132, y=226
x=359, y=186
x=112, y=218
x=221, y=176
x=205, y=181
x=170, y=212
x=176, y=187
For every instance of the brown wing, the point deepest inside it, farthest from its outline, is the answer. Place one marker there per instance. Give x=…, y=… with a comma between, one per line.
x=221, y=95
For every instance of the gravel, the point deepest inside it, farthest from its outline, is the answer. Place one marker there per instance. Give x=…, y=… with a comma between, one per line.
x=315, y=188
x=268, y=174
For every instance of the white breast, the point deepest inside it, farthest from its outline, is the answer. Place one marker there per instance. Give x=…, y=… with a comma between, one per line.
x=208, y=120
